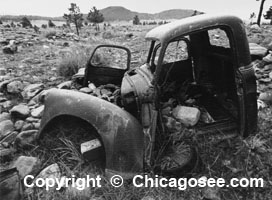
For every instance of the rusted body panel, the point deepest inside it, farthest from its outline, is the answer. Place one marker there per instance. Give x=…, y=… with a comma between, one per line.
x=167, y=32
x=122, y=135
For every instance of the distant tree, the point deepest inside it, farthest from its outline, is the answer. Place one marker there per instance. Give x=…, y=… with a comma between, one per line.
x=260, y=12
x=136, y=20
x=268, y=15
x=94, y=16
x=26, y=23
x=12, y=24
x=194, y=13
x=51, y=24
x=75, y=17
x=36, y=29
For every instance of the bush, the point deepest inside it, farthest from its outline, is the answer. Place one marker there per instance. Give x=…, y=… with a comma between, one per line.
x=26, y=23
x=44, y=26
x=50, y=34
x=72, y=61
x=51, y=24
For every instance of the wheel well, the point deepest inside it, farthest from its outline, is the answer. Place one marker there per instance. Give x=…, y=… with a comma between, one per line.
x=68, y=122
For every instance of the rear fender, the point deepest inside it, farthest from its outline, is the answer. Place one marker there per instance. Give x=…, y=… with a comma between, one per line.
x=121, y=134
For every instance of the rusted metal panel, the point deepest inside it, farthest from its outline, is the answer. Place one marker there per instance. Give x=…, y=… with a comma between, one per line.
x=121, y=133
x=168, y=32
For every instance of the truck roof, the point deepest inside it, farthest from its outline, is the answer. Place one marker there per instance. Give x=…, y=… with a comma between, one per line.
x=167, y=32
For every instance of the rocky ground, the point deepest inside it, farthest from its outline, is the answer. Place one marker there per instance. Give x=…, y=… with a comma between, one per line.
x=29, y=64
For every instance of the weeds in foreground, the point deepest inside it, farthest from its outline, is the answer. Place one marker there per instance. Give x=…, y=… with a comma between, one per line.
x=229, y=158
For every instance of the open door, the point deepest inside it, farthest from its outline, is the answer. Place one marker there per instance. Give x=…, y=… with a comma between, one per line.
x=107, y=64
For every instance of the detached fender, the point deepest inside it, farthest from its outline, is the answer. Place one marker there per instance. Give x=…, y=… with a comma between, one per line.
x=121, y=133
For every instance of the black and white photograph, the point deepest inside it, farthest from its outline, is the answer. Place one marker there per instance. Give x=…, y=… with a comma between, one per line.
x=135, y=100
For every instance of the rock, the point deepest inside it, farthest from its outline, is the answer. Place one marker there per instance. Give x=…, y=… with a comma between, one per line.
x=211, y=193
x=266, y=97
x=106, y=92
x=37, y=112
x=257, y=50
x=26, y=138
x=270, y=46
x=79, y=74
x=86, y=90
x=27, y=127
x=10, y=137
x=10, y=185
x=32, y=90
x=20, y=111
x=7, y=104
x=188, y=116
x=5, y=128
x=255, y=28
x=19, y=125
x=10, y=49
x=261, y=104
x=268, y=58
x=65, y=85
x=26, y=165
x=6, y=152
x=4, y=116
x=32, y=119
x=91, y=86
x=52, y=171
x=15, y=87
x=36, y=125
x=268, y=67
x=3, y=85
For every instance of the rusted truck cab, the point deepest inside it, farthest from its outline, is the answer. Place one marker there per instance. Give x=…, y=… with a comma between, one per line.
x=201, y=61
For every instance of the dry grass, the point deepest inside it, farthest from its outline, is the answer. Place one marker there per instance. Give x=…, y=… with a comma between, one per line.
x=73, y=60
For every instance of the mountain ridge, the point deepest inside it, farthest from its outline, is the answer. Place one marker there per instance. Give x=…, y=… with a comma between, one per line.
x=118, y=13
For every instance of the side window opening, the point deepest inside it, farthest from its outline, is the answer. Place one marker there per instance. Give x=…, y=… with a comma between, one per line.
x=218, y=37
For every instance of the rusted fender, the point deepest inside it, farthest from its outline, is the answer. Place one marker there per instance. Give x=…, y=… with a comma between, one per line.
x=121, y=133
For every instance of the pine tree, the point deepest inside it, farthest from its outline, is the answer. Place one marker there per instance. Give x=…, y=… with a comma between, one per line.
x=94, y=16
x=75, y=17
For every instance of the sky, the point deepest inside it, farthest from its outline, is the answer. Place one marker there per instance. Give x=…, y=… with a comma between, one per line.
x=54, y=8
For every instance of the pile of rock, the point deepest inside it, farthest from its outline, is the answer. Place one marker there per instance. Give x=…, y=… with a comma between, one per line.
x=263, y=71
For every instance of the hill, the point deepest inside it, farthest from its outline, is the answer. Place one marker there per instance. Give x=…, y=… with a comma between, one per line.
x=117, y=13
x=113, y=13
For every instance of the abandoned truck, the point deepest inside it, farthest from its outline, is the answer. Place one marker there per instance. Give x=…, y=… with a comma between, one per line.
x=197, y=75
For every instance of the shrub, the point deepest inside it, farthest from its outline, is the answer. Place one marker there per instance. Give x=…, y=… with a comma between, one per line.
x=50, y=34
x=72, y=61
x=44, y=26
x=51, y=24
x=26, y=23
